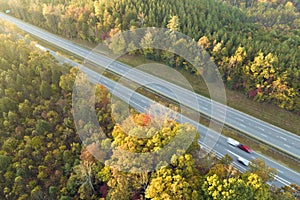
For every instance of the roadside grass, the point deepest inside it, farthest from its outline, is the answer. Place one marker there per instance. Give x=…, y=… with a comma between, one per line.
x=264, y=111
x=257, y=146
x=235, y=99
x=264, y=149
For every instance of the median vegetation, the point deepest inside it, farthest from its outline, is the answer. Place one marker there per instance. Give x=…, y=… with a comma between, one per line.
x=42, y=156
x=256, y=53
x=249, y=48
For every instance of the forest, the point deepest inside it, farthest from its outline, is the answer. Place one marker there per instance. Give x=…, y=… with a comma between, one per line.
x=42, y=156
x=254, y=43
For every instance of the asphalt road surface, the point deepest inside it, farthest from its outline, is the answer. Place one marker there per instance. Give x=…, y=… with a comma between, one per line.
x=282, y=139
x=258, y=129
x=210, y=140
x=285, y=175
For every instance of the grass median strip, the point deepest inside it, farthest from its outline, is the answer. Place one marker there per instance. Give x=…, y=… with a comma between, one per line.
x=235, y=99
x=200, y=87
x=258, y=146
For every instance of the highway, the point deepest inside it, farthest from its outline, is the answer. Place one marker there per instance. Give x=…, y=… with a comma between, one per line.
x=258, y=129
x=285, y=175
x=139, y=102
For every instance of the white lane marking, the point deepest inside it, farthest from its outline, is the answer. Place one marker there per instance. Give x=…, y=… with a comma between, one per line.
x=232, y=152
x=69, y=44
x=242, y=125
x=239, y=165
x=285, y=182
x=188, y=100
x=239, y=119
x=264, y=124
x=260, y=128
x=263, y=135
x=283, y=138
x=280, y=171
x=143, y=100
x=288, y=146
x=281, y=180
x=158, y=87
x=122, y=70
x=288, y=169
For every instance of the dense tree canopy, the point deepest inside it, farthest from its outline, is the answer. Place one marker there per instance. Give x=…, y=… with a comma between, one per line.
x=254, y=43
x=42, y=156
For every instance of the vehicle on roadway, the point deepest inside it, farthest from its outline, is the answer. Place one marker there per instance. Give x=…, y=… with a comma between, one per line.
x=243, y=161
x=245, y=148
x=233, y=142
